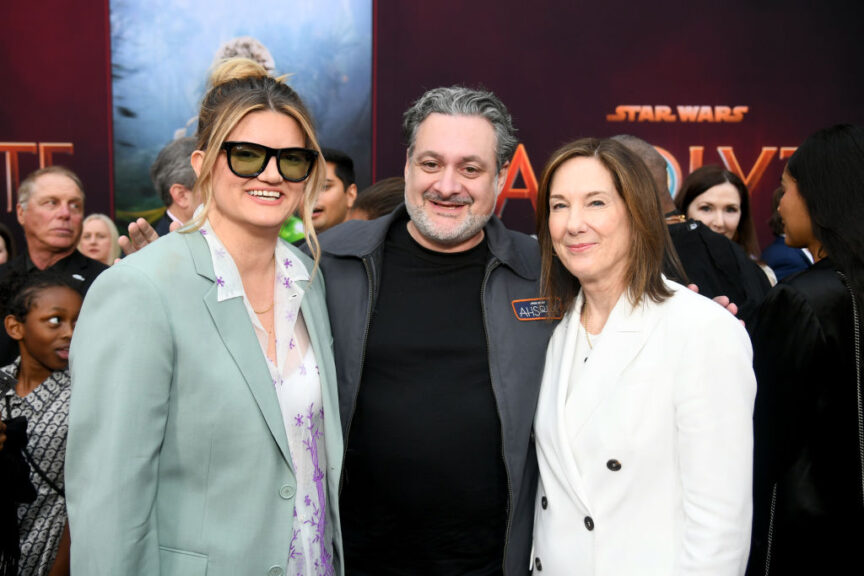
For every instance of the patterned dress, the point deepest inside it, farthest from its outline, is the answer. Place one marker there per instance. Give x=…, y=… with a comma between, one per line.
x=41, y=523
x=298, y=390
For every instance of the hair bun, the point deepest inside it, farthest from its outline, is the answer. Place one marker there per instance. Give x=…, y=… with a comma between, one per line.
x=232, y=69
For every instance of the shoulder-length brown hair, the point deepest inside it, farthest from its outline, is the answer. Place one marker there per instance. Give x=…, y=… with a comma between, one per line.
x=649, y=236
x=700, y=180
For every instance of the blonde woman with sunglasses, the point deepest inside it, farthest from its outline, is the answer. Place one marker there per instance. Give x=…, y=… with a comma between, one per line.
x=204, y=431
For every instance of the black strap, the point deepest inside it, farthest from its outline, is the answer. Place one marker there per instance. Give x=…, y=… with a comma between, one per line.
x=59, y=491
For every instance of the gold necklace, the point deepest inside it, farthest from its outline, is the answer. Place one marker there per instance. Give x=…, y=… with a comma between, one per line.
x=262, y=311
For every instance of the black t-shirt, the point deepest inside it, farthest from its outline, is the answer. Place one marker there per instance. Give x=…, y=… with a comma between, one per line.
x=425, y=488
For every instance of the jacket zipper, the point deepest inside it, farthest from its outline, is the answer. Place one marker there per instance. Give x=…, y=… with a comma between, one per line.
x=489, y=268
x=771, y=529
x=366, y=264
x=857, y=379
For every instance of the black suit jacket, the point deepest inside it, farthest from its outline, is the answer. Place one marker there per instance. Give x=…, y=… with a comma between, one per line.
x=163, y=225
x=719, y=267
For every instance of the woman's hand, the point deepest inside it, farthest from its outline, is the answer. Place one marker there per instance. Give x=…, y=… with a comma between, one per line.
x=723, y=301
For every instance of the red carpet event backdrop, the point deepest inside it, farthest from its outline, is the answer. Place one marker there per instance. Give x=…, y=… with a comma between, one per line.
x=738, y=82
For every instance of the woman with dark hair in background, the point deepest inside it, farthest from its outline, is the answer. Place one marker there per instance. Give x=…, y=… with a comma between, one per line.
x=719, y=199
x=782, y=258
x=809, y=422
x=644, y=420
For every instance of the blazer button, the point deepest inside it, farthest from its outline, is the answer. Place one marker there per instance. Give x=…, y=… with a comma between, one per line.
x=286, y=492
x=544, y=502
x=275, y=571
x=537, y=565
x=613, y=465
x=589, y=523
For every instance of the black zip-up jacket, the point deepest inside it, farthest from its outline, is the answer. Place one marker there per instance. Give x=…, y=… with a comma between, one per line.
x=808, y=424
x=351, y=261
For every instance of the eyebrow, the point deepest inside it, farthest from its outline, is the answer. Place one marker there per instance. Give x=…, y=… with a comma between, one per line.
x=462, y=160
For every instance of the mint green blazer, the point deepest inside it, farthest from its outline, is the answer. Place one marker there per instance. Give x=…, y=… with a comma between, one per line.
x=177, y=461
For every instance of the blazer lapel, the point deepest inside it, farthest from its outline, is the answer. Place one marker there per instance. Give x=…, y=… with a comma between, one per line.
x=624, y=335
x=235, y=329
x=565, y=359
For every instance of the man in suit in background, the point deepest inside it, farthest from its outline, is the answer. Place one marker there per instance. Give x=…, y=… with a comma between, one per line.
x=174, y=180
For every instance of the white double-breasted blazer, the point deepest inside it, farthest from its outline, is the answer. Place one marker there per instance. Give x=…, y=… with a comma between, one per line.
x=647, y=469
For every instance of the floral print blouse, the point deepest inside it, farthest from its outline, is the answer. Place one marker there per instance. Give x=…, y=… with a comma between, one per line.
x=298, y=390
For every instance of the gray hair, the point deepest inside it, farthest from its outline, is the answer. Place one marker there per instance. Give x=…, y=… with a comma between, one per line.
x=172, y=166
x=28, y=185
x=462, y=101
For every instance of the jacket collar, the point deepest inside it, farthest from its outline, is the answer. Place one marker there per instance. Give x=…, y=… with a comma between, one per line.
x=232, y=322
x=200, y=254
x=361, y=239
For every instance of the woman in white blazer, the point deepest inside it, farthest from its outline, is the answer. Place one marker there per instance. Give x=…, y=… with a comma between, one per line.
x=644, y=422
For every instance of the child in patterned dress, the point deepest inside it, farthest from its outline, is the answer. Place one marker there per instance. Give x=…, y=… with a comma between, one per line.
x=40, y=310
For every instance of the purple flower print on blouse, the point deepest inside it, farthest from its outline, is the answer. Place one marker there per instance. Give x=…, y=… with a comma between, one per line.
x=220, y=281
x=288, y=263
x=287, y=283
x=293, y=553
x=203, y=231
x=291, y=344
x=302, y=369
x=318, y=518
x=290, y=315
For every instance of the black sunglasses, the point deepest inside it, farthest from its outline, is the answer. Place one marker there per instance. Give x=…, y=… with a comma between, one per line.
x=247, y=160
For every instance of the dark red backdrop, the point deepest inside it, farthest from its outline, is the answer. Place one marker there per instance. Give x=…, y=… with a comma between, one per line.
x=54, y=65
x=561, y=67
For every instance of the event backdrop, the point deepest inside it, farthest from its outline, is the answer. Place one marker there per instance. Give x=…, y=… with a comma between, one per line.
x=162, y=51
x=735, y=81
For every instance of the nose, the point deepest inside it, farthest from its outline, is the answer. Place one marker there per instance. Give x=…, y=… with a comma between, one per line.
x=449, y=184
x=64, y=211
x=271, y=172
x=66, y=330
x=716, y=221
x=575, y=221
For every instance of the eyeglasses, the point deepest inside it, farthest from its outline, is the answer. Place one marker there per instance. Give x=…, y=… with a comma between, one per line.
x=247, y=160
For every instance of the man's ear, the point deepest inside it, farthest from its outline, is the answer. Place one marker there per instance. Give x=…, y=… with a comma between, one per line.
x=351, y=193
x=19, y=210
x=197, y=160
x=14, y=327
x=502, y=178
x=180, y=195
